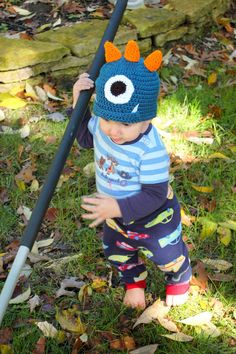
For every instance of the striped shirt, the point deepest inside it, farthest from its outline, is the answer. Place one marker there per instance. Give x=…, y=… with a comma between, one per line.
x=122, y=169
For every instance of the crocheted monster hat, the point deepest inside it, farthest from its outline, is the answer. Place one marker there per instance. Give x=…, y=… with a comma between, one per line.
x=128, y=86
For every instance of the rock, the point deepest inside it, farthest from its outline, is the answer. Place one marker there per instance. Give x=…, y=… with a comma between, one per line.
x=153, y=21
x=21, y=85
x=81, y=39
x=20, y=53
x=197, y=9
x=172, y=35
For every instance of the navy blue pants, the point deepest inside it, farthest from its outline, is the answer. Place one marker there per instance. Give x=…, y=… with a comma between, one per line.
x=158, y=236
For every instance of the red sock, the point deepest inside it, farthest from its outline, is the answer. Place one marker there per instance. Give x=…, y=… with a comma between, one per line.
x=177, y=289
x=139, y=284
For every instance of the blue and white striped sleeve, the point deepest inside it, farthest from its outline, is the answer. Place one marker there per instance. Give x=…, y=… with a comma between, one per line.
x=92, y=124
x=154, y=166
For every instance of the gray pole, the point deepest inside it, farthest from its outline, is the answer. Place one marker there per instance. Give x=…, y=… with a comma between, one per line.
x=58, y=163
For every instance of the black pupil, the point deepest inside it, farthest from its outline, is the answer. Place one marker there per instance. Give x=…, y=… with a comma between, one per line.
x=117, y=88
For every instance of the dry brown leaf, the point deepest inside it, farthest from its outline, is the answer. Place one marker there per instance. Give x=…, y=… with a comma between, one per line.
x=124, y=343
x=168, y=324
x=201, y=278
x=210, y=330
x=157, y=310
x=69, y=283
x=219, y=264
x=222, y=277
x=198, y=320
x=47, y=328
x=178, y=337
x=40, y=346
x=147, y=349
x=69, y=320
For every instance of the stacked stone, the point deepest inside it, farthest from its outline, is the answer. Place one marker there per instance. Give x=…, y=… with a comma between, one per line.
x=67, y=51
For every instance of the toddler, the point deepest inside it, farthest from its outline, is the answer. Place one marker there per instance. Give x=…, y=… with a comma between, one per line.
x=134, y=200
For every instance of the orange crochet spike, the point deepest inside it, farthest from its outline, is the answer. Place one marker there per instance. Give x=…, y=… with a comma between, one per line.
x=112, y=53
x=153, y=60
x=132, y=51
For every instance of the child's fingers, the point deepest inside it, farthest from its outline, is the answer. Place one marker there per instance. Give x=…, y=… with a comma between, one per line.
x=83, y=75
x=96, y=222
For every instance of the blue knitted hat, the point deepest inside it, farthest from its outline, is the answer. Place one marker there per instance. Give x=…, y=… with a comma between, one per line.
x=128, y=86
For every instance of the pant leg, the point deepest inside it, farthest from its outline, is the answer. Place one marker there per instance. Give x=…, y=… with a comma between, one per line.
x=122, y=253
x=165, y=246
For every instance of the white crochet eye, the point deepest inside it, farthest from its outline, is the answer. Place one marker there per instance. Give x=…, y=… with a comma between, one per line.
x=119, y=89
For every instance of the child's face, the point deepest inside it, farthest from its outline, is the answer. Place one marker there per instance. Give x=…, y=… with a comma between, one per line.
x=121, y=133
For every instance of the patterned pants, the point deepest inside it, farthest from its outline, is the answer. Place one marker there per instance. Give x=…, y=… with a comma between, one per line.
x=158, y=237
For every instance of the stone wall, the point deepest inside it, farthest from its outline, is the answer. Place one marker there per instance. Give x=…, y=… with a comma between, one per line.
x=66, y=51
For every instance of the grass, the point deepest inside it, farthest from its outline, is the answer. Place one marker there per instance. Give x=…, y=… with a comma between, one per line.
x=188, y=108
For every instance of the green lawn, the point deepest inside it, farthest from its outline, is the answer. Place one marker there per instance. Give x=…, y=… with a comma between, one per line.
x=191, y=108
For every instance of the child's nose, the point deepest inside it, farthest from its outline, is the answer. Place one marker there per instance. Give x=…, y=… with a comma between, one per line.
x=114, y=130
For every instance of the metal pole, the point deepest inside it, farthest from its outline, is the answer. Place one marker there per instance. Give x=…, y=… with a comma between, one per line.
x=58, y=163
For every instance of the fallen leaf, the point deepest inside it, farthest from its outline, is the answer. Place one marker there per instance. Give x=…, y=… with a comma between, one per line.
x=9, y=101
x=26, y=271
x=53, y=97
x=222, y=277
x=231, y=224
x=2, y=115
x=56, y=117
x=69, y=283
x=6, y=349
x=200, y=141
x=25, y=131
x=197, y=320
x=47, y=328
x=178, y=337
x=51, y=214
x=26, y=174
x=201, y=278
x=21, y=185
x=202, y=189
x=45, y=243
x=124, y=343
x=50, y=139
x=22, y=297
x=218, y=264
x=98, y=283
x=41, y=94
x=20, y=11
x=210, y=330
x=89, y=169
x=186, y=219
x=208, y=227
x=4, y=198
x=69, y=320
x=34, y=302
x=34, y=186
x=218, y=155
x=212, y=78
x=35, y=258
x=168, y=324
x=23, y=210
x=84, y=291
x=6, y=335
x=40, y=346
x=148, y=349
x=225, y=235
x=157, y=310
x=30, y=92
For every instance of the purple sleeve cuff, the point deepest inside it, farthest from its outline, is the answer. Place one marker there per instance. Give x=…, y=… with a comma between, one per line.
x=83, y=137
x=150, y=198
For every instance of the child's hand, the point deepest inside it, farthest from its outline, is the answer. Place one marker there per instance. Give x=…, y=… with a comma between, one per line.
x=101, y=207
x=83, y=83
